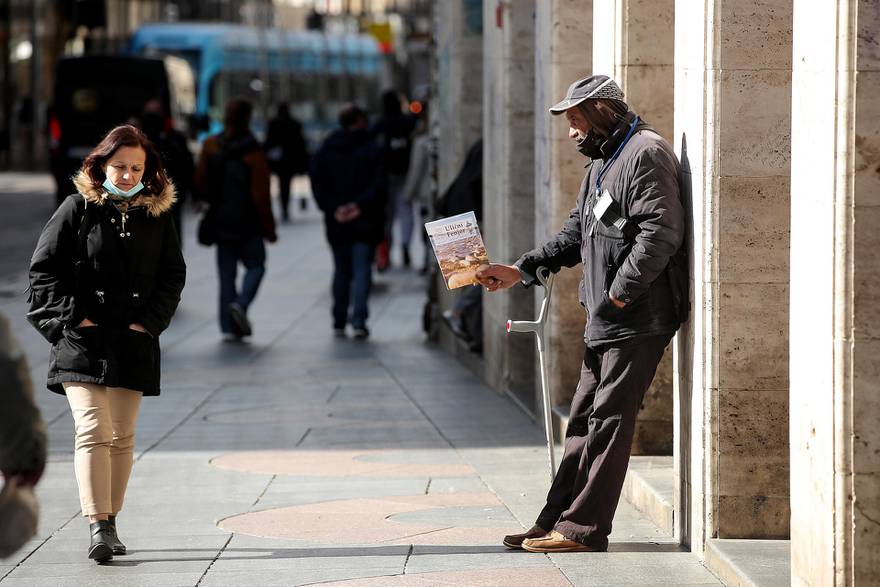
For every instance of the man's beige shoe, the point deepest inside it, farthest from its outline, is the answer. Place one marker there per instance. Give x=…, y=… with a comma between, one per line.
x=555, y=542
x=516, y=540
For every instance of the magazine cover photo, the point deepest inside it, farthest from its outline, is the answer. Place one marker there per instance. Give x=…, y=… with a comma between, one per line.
x=458, y=247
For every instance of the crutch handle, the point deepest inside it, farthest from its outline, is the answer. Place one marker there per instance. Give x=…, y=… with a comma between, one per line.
x=544, y=276
x=522, y=326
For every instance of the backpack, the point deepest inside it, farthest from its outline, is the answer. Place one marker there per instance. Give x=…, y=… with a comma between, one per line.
x=396, y=144
x=677, y=274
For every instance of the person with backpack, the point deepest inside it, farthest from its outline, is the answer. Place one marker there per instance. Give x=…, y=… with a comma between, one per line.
x=627, y=230
x=348, y=181
x=232, y=177
x=286, y=151
x=105, y=280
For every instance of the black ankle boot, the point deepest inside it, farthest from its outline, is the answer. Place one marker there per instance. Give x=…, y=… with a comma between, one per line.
x=115, y=544
x=101, y=532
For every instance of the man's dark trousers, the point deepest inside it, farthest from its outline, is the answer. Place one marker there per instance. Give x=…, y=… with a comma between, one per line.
x=584, y=495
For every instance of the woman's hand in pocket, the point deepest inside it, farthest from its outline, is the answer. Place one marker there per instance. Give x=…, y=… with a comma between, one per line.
x=85, y=322
x=138, y=327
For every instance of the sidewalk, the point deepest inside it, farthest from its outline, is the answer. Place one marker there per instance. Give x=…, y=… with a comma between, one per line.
x=301, y=459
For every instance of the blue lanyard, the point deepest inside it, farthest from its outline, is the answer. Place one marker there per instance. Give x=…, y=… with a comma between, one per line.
x=607, y=164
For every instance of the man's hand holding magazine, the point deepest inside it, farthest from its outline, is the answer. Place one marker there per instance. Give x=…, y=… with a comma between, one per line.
x=496, y=276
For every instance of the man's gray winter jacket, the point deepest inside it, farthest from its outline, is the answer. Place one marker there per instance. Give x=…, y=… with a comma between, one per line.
x=644, y=181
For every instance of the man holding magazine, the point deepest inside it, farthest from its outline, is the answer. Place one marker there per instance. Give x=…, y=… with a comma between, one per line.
x=627, y=229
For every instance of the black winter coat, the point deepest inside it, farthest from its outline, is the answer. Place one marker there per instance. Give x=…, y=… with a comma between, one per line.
x=131, y=271
x=644, y=181
x=348, y=168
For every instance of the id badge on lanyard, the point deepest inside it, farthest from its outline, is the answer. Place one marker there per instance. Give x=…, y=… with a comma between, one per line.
x=598, y=196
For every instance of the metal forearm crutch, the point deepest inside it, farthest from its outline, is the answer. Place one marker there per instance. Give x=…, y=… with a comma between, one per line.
x=546, y=278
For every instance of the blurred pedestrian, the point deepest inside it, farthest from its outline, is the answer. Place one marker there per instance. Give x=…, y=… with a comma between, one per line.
x=22, y=447
x=465, y=194
x=348, y=181
x=287, y=153
x=175, y=155
x=232, y=176
x=417, y=189
x=394, y=133
x=105, y=280
x=627, y=232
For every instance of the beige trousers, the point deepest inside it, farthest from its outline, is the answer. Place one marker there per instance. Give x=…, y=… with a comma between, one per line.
x=104, y=421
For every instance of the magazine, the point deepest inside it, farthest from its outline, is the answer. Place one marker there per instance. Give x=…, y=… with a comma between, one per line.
x=458, y=247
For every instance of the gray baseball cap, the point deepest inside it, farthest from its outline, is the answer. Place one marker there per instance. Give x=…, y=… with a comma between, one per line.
x=594, y=87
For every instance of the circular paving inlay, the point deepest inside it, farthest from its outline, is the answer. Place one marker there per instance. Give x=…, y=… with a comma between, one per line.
x=474, y=518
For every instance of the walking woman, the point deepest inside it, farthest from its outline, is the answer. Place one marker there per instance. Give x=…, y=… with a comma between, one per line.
x=106, y=279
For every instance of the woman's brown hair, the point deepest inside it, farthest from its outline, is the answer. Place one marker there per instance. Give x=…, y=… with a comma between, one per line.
x=155, y=179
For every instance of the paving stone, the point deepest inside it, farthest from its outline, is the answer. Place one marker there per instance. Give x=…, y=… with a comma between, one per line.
x=528, y=577
x=96, y=578
x=762, y=563
x=661, y=567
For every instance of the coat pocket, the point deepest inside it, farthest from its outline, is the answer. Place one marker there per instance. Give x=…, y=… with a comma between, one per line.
x=138, y=360
x=81, y=350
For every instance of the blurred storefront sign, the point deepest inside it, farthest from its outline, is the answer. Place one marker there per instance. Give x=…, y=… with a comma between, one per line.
x=381, y=31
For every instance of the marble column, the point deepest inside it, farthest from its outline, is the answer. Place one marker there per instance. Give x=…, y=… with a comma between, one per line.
x=732, y=133
x=835, y=294
x=563, y=54
x=508, y=186
x=633, y=42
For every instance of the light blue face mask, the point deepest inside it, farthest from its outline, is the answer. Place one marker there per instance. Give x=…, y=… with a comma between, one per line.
x=112, y=189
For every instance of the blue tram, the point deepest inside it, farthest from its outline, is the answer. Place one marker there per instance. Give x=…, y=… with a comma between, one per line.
x=314, y=72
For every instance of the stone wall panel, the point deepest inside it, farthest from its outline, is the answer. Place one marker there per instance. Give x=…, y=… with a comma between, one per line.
x=755, y=34
x=753, y=341
x=650, y=25
x=753, y=444
x=866, y=415
x=649, y=94
x=866, y=273
x=867, y=137
x=868, y=41
x=750, y=516
x=756, y=136
x=753, y=245
x=866, y=528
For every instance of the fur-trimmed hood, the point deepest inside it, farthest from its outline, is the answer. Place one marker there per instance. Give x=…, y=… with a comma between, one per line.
x=155, y=204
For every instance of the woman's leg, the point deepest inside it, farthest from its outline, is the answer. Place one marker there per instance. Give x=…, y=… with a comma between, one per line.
x=124, y=407
x=91, y=461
